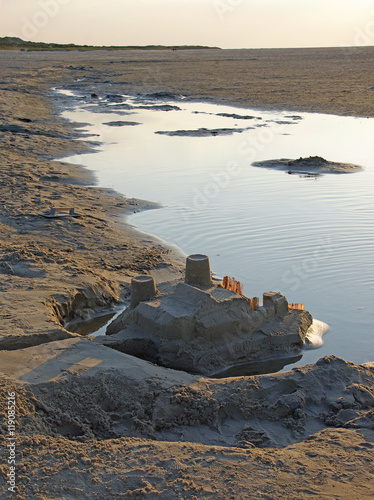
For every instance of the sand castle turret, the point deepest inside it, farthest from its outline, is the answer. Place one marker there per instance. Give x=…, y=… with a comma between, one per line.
x=142, y=288
x=198, y=270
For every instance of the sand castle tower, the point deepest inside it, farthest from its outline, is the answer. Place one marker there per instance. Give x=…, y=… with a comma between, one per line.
x=198, y=270
x=142, y=288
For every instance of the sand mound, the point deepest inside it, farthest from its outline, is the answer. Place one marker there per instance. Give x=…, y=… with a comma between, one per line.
x=267, y=410
x=202, y=132
x=310, y=165
x=121, y=123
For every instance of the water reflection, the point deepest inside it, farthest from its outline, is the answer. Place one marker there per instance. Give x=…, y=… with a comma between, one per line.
x=257, y=367
x=96, y=325
x=93, y=325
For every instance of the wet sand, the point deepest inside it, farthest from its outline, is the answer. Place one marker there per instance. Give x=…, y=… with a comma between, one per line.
x=313, y=165
x=95, y=423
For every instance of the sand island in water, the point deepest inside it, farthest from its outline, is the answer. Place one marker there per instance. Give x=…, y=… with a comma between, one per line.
x=310, y=165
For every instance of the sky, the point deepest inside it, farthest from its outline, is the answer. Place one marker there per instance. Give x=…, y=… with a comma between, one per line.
x=222, y=23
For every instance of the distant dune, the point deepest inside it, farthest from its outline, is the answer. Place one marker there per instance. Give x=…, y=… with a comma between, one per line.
x=13, y=43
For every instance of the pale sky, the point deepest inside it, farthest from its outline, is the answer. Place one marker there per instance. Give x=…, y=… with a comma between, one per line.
x=222, y=23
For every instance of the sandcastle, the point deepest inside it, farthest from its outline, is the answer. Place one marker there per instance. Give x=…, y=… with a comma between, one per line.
x=202, y=327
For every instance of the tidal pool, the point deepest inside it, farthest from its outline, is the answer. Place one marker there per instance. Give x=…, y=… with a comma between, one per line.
x=311, y=238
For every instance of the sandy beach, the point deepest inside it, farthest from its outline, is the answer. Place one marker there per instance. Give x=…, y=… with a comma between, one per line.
x=93, y=422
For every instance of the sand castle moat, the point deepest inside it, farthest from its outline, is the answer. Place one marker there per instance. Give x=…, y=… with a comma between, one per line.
x=201, y=327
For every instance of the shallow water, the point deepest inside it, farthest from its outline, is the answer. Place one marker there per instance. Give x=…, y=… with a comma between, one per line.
x=310, y=238
x=95, y=325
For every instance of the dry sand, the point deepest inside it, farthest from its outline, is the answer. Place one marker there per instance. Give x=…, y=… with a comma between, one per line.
x=96, y=423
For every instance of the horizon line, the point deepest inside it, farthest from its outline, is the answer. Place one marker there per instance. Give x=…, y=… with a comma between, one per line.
x=211, y=47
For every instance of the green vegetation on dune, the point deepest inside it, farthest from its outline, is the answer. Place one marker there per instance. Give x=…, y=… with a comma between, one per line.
x=15, y=43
